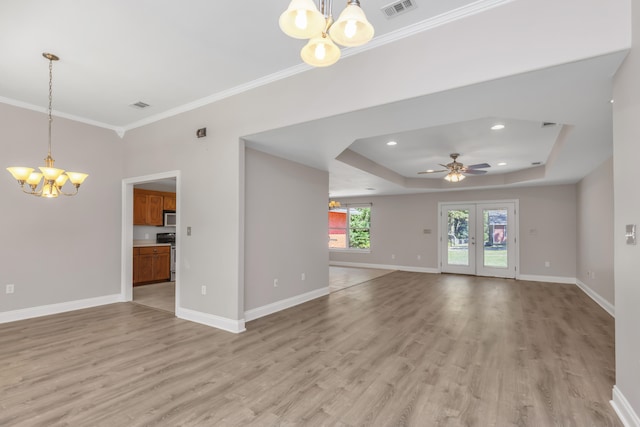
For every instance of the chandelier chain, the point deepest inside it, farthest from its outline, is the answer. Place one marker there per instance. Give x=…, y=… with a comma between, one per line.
x=50, y=100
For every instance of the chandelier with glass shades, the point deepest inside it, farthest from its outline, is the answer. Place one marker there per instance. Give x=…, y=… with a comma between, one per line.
x=303, y=20
x=49, y=179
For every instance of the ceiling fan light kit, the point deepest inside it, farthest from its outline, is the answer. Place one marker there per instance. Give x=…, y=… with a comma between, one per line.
x=304, y=20
x=456, y=170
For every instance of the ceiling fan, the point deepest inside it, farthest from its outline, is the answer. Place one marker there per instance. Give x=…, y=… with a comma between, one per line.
x=456, y=169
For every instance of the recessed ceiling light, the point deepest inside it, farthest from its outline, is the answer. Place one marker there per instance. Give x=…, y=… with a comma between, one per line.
x=502, y=164
x=392, y=143
x=497, y=127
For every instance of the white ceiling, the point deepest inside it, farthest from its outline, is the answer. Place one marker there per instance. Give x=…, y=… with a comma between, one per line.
x=177, y=56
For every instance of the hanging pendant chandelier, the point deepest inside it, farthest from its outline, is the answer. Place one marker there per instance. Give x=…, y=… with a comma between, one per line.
x=303, y=20
x=49, y=179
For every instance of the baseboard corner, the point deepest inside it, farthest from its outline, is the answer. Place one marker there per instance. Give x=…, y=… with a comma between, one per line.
x=219, y=322
x=623, y=409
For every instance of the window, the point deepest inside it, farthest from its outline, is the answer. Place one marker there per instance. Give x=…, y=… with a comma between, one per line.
x=350, y=227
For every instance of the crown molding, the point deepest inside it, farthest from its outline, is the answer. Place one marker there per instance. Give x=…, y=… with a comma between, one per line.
x=436, y=21
x=419, y=27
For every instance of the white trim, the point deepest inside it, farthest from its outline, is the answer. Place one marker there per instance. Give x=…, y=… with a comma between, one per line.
x=547, y=279
x=385, y=267
x=623, y=408
x=265, y=310
x=46, y=310
x=118, y=130
x=608, y=307
x=229, y=325
x=126, y=249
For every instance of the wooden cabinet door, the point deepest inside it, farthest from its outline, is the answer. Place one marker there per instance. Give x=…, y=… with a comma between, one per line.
x=145, y=268
x=169, y=203
x=139, y=209
x=154, y=210
x=136, y=265
x=162, y=267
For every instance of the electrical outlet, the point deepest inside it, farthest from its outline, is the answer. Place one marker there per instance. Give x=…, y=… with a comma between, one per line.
x=203, y=289
x=419, y=257
x=146, y=236
x=393, y=256
x=10, y=288
x=303, y=276
x=547, y=264
x=188, y=231
x=275, y=283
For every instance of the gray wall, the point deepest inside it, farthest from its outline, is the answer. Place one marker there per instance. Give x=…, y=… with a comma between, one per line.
x=212, y=168
x=285, y=229
x=547, y=228
x=595, y=231
x=64, y=249
x=626, y=152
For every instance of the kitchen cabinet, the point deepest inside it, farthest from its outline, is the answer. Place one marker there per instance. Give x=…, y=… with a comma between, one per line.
x=148, y=206
x=151, y=264
x=169, y=202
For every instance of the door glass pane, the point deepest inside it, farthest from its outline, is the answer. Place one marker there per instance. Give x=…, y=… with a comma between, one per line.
x=495, y=237
x=458, y=236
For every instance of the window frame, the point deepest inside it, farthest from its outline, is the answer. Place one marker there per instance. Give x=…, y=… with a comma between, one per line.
x=347, y=207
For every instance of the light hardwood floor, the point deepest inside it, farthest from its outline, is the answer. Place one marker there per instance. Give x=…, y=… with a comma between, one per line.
x=345, y=277
x=405, y=349
x=157, y=295
x=163, y=295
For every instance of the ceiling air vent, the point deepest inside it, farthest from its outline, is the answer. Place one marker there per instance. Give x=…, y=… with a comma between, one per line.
x=139, y=105
x=548, y=124
x=399, y=7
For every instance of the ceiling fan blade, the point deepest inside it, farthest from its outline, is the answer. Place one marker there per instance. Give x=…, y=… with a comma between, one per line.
x=443, y=170
x=444, y=166
x=474, y=172
x=479, y=166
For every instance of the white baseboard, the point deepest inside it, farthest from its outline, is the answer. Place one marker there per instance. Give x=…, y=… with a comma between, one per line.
x=229, y=325
x=608, y=307
x=265, y=310
x=547, y=279
x=385, y=267
x=624, y=410
x=46, y=310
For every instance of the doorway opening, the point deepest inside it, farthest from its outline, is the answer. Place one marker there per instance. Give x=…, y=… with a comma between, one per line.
x=479, y=238
x=145, y=248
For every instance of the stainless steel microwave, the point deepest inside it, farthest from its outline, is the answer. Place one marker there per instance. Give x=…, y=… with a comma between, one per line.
x=169, y=218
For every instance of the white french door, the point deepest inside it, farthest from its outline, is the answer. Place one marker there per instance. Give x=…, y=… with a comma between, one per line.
x=479, y=238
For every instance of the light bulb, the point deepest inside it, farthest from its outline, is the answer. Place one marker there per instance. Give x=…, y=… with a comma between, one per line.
x=301, y=19
x=320, y=52
x=351, y=28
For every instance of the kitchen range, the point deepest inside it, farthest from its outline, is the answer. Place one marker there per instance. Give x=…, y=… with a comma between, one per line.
x=171, y=239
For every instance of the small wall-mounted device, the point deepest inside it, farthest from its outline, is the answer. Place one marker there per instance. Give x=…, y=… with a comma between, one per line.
x=630, y=234
x=201, y=133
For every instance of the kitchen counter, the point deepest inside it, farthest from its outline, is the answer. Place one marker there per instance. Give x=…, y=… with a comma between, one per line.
x=147, y=243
